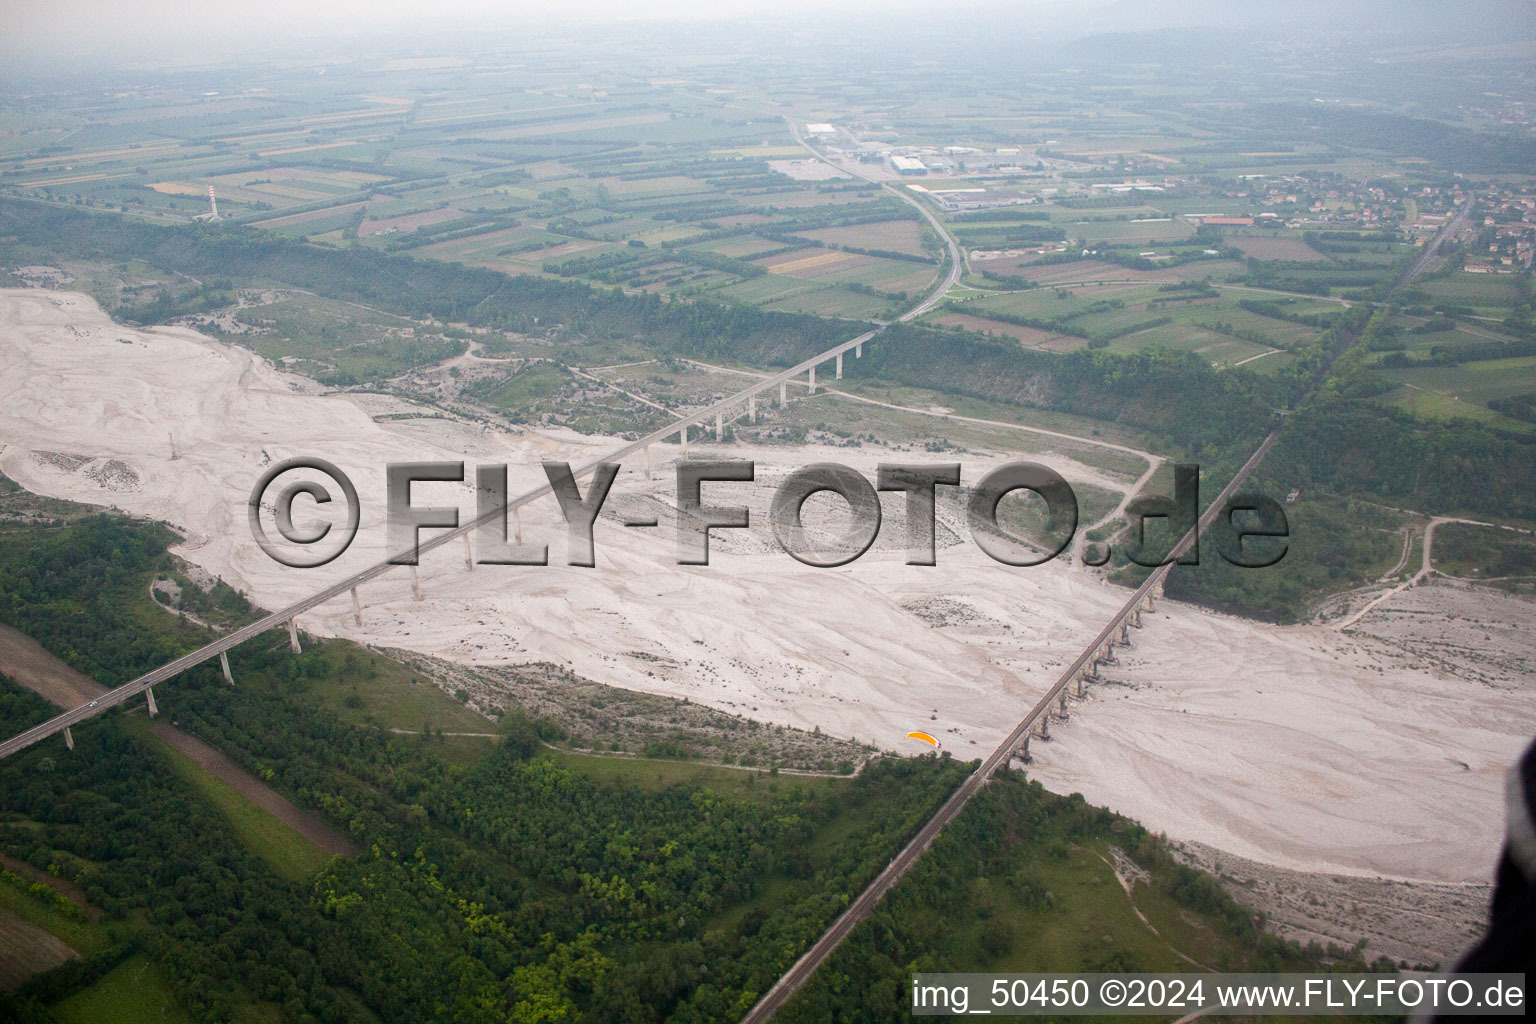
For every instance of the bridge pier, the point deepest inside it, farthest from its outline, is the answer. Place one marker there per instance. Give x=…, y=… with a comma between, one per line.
x=839, y=366
x=149, y=693
x=469, y=555
x=813, y=381
x=1082, y=684
x=783, y=394
x=752, y=409
x=224, y=664
x=517, y=523
x=69, y=738
x=719, y=427
x=357, y=614
x=684, y=434
x=1044, y=722
x=858, y=351
x=1023, y=752
x=293, y=638
x=415, y=584
x=647, y=462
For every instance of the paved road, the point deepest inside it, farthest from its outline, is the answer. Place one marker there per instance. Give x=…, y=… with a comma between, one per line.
x=864, y=905
x=956, y=258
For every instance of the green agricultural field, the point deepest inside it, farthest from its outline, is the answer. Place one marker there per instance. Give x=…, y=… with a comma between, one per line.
x=672, y=185
x=133, y=992
x=1053, y=303
x=501, y=244
x=1071, y=212
x=765, y=289
x=832, y=301
x=741, y=247
x=1116, y=321
x=1107, y=314
x=888, y=275
x=310, y=227
x=1210, y=345
x=1281, y=333
x=1434, y=405
x=889, y=236
x=1461, y=337
x=1488, y=294
x=1471, y=382
x=286, y=852
x=1282, y=302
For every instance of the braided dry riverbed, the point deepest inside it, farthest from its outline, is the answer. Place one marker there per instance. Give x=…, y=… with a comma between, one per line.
x=1302, y=748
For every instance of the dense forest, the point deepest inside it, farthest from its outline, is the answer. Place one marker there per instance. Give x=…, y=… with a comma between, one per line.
x=510, y=887
x=513, y=888
x=1025, y=877
x=1178, y=397
x=1451, y=147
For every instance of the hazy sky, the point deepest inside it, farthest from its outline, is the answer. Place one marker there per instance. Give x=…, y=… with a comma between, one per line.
x=40, y=19
x=37, y=33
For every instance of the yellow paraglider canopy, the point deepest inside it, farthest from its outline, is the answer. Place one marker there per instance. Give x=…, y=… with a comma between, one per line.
x=931, y=741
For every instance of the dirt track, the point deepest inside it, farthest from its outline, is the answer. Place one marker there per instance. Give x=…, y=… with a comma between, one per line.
x=25, y=661
x=220, y=767
x=26, y=949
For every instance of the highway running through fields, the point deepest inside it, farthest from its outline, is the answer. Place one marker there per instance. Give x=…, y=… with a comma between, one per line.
x=956, y=258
